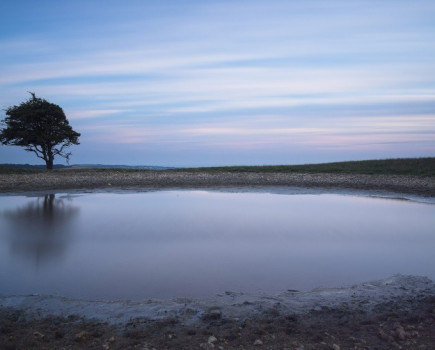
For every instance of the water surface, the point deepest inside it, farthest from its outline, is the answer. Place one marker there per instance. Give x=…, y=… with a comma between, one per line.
x=199, y=243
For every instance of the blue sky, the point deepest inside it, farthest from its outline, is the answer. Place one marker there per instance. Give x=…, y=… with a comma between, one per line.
x=192, y=83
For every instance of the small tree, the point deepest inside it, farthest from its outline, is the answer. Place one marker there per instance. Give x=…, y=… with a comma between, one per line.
x=40, y=127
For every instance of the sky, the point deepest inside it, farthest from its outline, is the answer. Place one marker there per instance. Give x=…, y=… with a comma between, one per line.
x=228, y=82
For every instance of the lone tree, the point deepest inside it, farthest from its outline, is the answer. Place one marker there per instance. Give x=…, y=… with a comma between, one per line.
x=40, y=127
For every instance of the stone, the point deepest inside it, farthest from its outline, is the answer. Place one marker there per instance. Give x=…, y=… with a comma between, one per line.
x=400, y=333
x=335, y=347
x=212, y=339
x=258, y=342
x=38, y=335
x=82, y=336
x=213, y=313
x=383, y=335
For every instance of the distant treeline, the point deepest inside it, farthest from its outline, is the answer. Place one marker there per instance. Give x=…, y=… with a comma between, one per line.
x=399, y=166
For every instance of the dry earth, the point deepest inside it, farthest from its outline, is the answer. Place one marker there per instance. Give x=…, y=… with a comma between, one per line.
x=155, y=179
x=396, y=313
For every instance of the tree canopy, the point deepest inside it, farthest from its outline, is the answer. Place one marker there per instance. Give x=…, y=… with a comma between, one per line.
x=40, y=127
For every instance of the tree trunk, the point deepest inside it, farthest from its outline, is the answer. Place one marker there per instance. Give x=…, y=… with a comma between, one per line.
x=49, y=163
x=48, y=209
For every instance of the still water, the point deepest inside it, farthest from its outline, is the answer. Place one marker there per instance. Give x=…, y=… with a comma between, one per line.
x=199, y=243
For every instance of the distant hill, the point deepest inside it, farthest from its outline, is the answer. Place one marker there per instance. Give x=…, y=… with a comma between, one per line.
x=83, y=166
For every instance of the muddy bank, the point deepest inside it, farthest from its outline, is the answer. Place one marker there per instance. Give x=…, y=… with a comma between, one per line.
x=57, y=180
x=398, y=312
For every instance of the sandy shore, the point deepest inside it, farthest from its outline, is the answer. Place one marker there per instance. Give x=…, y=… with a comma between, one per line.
x=57, y=180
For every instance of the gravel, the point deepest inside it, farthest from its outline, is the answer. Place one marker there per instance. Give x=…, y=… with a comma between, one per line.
x=56, y=180
x=395, y=313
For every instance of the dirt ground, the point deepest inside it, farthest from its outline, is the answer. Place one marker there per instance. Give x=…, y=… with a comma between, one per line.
x=57, y=180
x=323, y=329
x=398, y=314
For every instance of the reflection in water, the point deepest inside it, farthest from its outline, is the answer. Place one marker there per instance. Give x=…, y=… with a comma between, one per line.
x=39, y=230
x=195, y=243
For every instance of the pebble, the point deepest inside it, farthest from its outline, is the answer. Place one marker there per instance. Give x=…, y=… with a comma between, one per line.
x=258, y=342
x=38, y=334
x=383, y=335
x=82, y=336
x=213, y=314
x=212, y=339
x=400, y=333
x=335, y=347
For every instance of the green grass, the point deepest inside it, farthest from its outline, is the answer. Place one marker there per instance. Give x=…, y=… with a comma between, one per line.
x=16, y=169
x=9, y=170
x=400, y=166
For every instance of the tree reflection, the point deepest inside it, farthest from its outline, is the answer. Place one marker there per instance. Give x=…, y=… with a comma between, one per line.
x=40, y=230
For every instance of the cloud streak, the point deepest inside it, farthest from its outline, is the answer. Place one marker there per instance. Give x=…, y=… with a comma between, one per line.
x=231, y=75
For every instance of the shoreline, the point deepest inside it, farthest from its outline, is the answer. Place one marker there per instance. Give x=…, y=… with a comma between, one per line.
x=91, y=180
x=397, y=312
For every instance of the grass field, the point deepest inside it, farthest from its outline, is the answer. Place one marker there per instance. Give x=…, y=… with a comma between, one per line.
x=399, y=166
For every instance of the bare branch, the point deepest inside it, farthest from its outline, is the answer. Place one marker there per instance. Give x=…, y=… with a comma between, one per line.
x=30, y=149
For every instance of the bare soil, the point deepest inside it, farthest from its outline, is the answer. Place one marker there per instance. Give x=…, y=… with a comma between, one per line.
x=86, y=179
x=397, y=313
x=326, y=329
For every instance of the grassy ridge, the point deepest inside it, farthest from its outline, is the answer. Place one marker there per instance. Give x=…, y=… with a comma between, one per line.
x=16, y=170
x=400, y=166
x=29, y=170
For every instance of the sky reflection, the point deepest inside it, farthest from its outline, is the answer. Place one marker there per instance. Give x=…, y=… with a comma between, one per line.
x=197, y=243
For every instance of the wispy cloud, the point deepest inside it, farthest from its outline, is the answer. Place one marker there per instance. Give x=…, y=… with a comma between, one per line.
x=228, y=75
x=95, y=113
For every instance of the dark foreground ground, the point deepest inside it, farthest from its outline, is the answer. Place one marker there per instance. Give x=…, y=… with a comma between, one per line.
x=390, y=314
x=387, y=328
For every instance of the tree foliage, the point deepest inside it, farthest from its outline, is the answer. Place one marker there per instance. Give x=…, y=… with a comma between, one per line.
x=40, y=127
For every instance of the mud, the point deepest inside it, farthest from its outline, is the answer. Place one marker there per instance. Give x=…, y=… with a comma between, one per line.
x=398, y=312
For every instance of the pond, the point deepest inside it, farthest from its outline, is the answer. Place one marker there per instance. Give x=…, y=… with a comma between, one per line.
x=198, y=243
